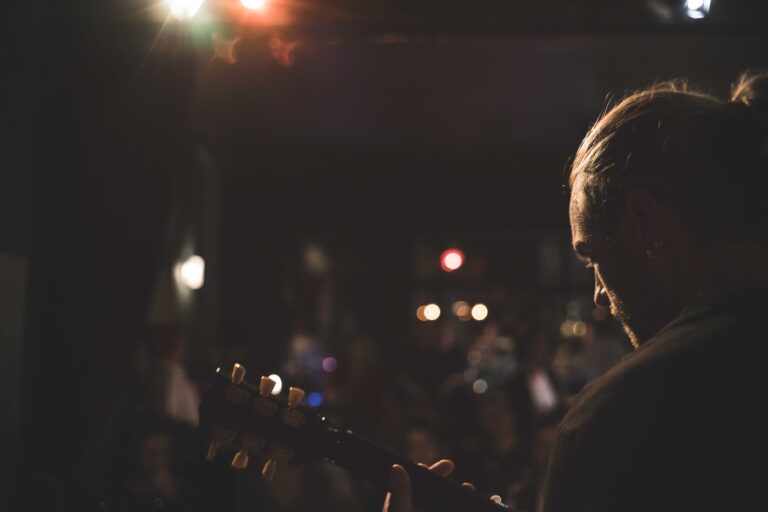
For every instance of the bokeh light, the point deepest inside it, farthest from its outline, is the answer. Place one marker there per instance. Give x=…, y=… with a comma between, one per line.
x=579, y=329
x=315, y=399
x=479, y=312
x=278, y=384
x=191, y=272
x=329, y=364
x=480, y=386
x=431, y=312
x=451, y=259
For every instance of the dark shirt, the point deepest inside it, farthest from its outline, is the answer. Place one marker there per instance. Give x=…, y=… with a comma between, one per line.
x=675, y=425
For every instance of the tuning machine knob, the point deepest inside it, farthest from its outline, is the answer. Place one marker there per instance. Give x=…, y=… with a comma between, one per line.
x=238, y=374
x=236, y=393
x=240, y=460
x=266, y=386
x=295, y=396
x=292, y=415
x=213, y=448
x=269, y=470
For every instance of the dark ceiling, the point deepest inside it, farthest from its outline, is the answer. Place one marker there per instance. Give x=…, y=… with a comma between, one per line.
x=461, y=131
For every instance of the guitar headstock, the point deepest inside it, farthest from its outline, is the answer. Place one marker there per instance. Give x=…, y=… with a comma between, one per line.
x=246, y=421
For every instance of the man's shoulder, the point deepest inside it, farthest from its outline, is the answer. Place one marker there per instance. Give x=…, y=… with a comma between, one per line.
x=631, y=390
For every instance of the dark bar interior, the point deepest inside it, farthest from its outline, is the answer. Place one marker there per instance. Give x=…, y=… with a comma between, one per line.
x=367, y=200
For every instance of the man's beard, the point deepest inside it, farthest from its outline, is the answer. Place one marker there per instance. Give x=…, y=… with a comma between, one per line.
x=625, y=319
x=644, y=310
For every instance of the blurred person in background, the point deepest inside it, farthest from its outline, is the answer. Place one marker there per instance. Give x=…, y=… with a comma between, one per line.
x=505, y=466
x=420, y=443
x=668, y=207
x=147, y=471
x=168, y=390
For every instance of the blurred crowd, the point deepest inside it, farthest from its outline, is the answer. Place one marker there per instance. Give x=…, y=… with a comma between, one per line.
x=488, y=398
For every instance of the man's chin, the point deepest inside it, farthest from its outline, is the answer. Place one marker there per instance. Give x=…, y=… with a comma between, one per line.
x=620, y=315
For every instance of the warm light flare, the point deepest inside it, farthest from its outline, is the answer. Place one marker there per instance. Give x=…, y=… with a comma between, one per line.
x=184, y=9
x=254, y=5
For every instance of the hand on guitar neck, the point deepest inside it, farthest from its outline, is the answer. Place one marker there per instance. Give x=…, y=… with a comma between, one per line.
x=400, y=499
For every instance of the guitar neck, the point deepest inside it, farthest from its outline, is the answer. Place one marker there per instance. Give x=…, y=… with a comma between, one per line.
x=431, y=492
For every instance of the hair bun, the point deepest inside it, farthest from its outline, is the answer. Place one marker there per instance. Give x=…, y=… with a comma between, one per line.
x=751, y=90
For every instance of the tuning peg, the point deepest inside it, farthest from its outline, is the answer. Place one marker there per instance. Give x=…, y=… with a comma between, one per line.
x=269, y=470
x=266, y=385
x=238, y=374
x=213, y=448
x=295, y=396
x=240, y=460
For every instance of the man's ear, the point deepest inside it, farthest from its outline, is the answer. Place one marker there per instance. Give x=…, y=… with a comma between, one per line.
x=643, y=220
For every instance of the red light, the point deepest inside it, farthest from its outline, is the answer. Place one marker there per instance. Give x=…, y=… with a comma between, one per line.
x=451, y=259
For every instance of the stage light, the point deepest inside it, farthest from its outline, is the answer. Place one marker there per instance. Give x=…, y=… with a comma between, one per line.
x=479, y=312
x=278, y=384
x=431, y=312
x=697, y=9
x=329, y=364
x=184, y=9
x=451, y=259
x=191, y=272
x=420, y=313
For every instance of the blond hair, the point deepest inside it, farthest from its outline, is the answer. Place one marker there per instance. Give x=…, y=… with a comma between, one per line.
x=703, y=156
